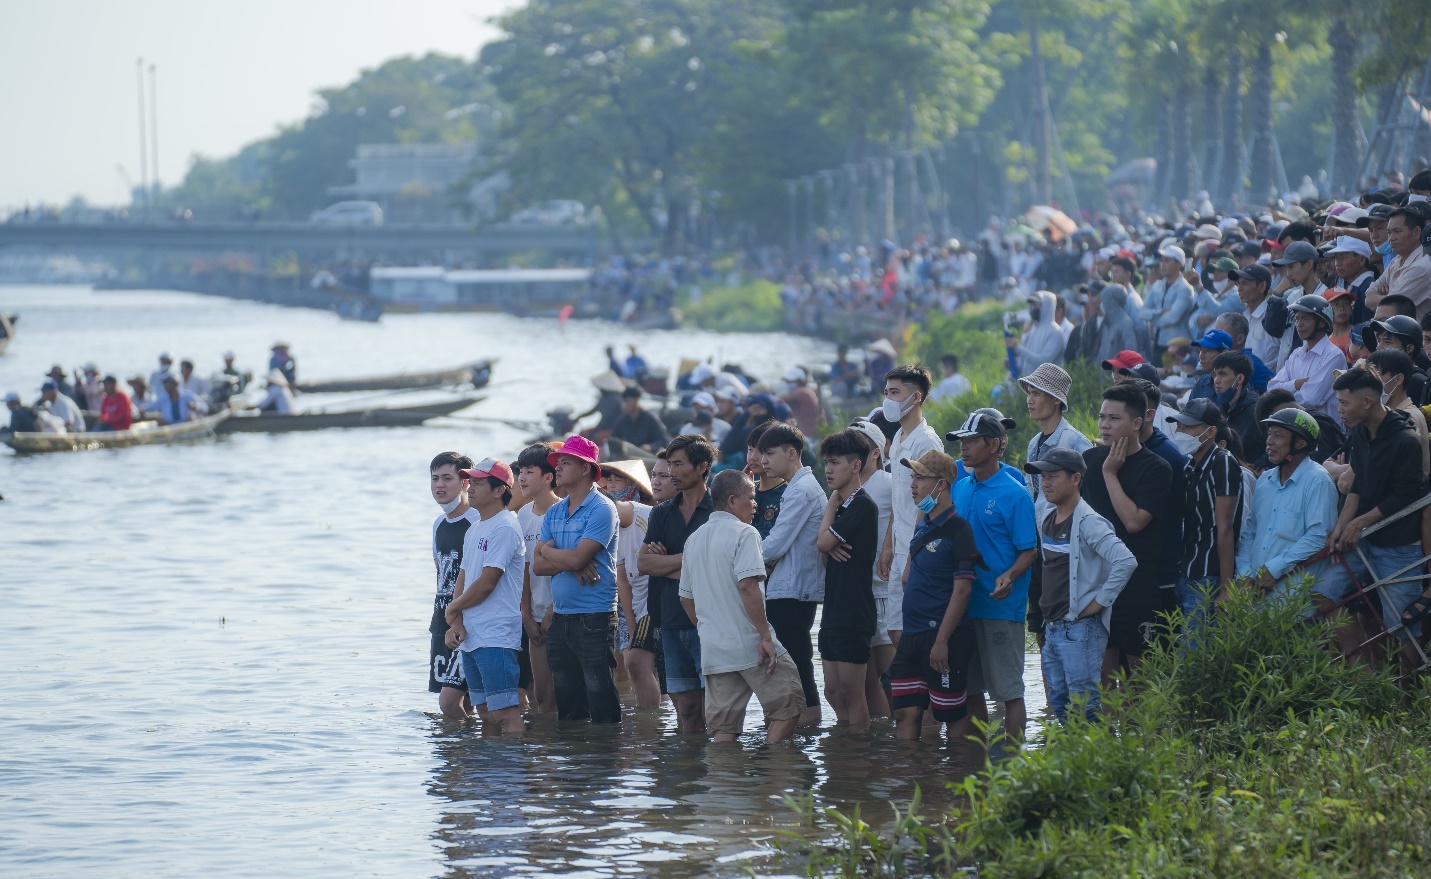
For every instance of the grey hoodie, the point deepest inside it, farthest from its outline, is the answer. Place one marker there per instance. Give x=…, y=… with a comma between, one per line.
x=1117, y=332
x=1044, y=343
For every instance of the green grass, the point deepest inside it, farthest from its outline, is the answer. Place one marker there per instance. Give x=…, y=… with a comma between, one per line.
x=1255, y=754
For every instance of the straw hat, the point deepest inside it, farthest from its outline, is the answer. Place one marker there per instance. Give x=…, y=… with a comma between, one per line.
x=883, y=346
x=609, y=381
x=633, y=470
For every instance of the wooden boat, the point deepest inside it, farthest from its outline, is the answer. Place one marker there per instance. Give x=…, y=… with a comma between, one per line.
x=143, y=433
x=620, y=450
x=477, y=374
x=404, y=416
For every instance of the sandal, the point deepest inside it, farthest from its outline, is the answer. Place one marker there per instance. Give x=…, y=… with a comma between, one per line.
x=1416, y=610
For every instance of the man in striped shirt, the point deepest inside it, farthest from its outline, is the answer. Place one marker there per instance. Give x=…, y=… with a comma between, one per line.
x=1212, y=510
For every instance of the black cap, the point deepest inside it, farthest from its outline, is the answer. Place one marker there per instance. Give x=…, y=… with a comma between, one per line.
x=1057, y=458
x=978, y=424
x=1379, y=212
x=1256, y=272
x=1199, y=411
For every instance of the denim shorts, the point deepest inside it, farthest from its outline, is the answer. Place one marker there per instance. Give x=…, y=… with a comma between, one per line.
x=492, y=674
x=681, y=656
x=1387, y=560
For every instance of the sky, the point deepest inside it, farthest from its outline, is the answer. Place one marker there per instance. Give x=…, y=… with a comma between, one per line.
x=227, y=74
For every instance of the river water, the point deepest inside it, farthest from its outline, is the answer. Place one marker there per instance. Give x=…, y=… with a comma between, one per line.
x=214, y=654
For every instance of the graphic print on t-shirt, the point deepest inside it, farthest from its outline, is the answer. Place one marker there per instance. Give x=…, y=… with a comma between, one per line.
x=447, y=537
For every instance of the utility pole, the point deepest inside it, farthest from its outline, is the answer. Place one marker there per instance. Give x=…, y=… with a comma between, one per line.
x=154, y=130
x=143, y=147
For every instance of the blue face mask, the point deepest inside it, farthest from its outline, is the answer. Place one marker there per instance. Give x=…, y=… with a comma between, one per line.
x=927, y=505
x=1384, y=248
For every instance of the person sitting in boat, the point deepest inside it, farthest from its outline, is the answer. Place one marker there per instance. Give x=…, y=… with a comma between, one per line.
x=278, y=397
x=156, y=378
x=639, y=427
x=608, y=406
x=714, y=428
x=141, y=396
x=89, y=391
x=282, y=360
x=57, y=375
x=190, y=382
x=175, y=405
x=636, y=367
x=61, y=406
x=116, y=410
x=22, y=417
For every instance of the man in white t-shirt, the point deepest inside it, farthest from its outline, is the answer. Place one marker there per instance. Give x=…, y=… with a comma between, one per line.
x=628, y=484
x=954, y=384
x=722, y=568
x=905, y=390
x=535, y=480
x=485, y=614
x=444, y=666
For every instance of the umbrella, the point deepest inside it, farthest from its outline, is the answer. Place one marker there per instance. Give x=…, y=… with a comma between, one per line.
x=1043, y=217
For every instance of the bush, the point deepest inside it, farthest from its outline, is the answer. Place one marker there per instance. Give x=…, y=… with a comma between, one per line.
x=754, y=308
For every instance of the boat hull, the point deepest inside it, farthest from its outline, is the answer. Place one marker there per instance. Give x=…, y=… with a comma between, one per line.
x=146, y=434
x=477, y=374
x=407, y=416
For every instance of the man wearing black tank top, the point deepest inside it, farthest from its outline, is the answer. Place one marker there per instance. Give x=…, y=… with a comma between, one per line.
x=444, y=666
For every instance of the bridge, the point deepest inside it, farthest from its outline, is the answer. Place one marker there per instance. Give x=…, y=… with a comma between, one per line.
x=389, y=241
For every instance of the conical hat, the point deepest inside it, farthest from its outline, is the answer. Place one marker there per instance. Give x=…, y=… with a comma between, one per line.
x=633, y=470
x=883, y=346
x=609, y=381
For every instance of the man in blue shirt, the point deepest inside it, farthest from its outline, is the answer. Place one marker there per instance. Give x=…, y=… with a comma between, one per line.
x=998, y=508
x=931, y=663
x=577, y=549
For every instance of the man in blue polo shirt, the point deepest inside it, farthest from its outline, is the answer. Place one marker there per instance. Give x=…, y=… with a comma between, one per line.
x=998, y=507
x=931, y=662
x=577, y=549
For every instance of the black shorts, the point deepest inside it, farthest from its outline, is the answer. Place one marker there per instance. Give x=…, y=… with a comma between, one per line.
x=915, y=684
x=524, y=664
x=444, y=667
x=1135, y=621
x=647, y=636
x=844, y=645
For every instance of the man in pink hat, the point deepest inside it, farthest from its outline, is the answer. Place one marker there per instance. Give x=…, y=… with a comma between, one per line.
x=577, y=549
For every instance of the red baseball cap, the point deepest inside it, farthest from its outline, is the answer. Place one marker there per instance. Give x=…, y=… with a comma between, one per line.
x=577, y=447
x=490, y=467
x=1124, y=360
x=1337, y=293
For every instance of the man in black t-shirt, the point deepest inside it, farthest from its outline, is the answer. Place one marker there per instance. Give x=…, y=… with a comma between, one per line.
x=849, y=538
x=1128, y=485
x=444, y=665
x=637, y=426
x=671, y=522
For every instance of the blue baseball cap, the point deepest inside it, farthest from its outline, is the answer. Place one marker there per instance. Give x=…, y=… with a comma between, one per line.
x=1357, y=331
x=1220, y=340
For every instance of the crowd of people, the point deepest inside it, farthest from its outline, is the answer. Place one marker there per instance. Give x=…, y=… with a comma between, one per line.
x=168, y=395
x=1264, y=429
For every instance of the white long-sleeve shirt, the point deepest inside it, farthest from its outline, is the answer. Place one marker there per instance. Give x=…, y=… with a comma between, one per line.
x=1315, y=364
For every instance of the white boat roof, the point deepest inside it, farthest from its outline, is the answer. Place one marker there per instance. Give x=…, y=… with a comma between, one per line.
x=479, y=276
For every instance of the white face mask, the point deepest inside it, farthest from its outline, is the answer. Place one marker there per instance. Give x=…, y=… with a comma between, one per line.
x=893, y=411
x=1186, y=443
x=448, y=507
x=1386, y=397
x=1413, y=198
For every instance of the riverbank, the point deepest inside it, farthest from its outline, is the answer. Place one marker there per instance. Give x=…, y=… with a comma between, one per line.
x=1257, y=754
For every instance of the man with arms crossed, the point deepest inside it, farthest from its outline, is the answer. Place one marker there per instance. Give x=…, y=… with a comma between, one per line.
x=672, y=522
x=485, y=613
x=720, y=590
x=878, y=486
x=848, y=536
x=535, y=480
x=577, y=550
x=449, y=489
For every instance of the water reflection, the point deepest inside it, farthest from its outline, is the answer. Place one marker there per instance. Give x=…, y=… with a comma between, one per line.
x=638, y=799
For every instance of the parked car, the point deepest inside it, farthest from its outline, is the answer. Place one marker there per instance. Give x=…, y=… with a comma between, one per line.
x=349, y=213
